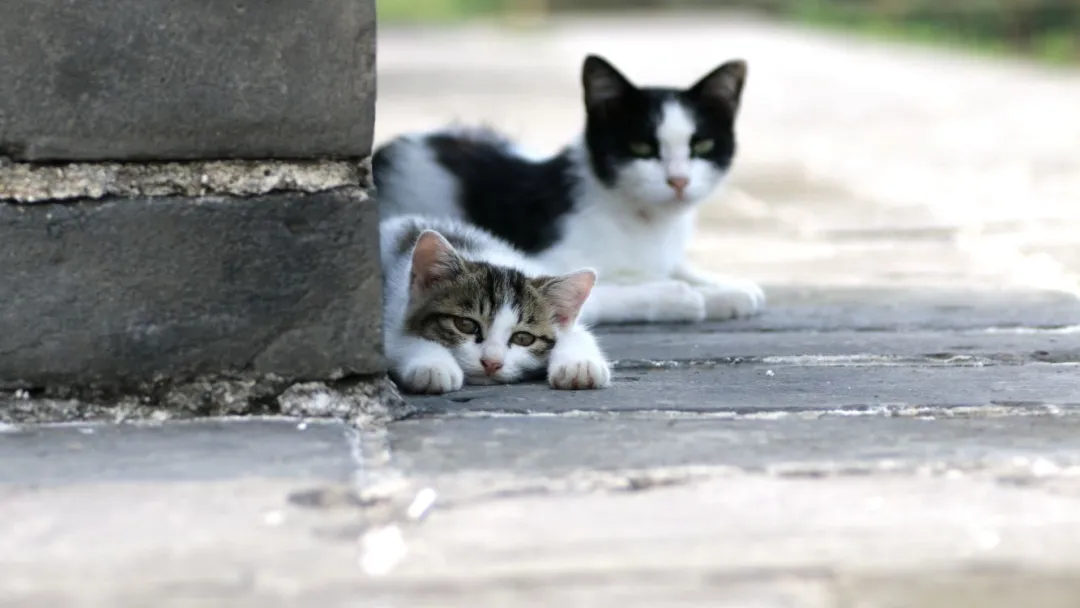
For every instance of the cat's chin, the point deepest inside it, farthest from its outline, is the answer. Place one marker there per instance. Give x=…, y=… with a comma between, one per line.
x=667, y=208
x=655, y=199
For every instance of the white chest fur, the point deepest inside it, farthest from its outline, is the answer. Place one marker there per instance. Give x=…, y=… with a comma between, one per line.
x=620, y=243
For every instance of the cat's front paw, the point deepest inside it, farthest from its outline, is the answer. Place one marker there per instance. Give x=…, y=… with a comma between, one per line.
x=730, y=299
x=433, y=377
x=580, y=374
x=677, y=302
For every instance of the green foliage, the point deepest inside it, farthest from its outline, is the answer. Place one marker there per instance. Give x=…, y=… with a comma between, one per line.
x=1044, y=29
x=424, y=11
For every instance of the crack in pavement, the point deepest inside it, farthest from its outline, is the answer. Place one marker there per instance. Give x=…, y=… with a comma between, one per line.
x=925, y=412
x=469, y=488
x=993, y=409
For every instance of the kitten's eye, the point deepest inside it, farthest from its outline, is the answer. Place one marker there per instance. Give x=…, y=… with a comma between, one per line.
x=466, y=326
x=523, y=338
x=702, y=146
x=640, y=148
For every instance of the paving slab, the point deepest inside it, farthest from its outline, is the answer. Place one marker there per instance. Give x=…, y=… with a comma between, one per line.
x=883, y=308
x=850, y=527
x=988, y=441
x=100, y=544
x=243, y=542
x=177, y=451
x=756, y=388
x=241, y=511
x=640, y=349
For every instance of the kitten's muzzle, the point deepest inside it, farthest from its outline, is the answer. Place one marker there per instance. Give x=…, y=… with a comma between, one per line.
x=678, y=184
x=491, y=366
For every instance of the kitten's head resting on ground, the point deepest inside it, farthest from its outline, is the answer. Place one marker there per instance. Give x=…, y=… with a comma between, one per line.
x=661, y=147
x=499, y=323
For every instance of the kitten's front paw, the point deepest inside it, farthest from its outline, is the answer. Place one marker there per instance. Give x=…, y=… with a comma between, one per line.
x=581, y=374
x=730, y=299
x=433, y=377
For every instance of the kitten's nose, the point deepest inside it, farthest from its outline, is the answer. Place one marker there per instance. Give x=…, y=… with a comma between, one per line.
x=491, y=366
x=678, y=184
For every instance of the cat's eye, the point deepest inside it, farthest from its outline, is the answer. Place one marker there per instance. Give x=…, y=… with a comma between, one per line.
x=702, y=146
x=466, y=326
x=523, y=338
x=640, y=148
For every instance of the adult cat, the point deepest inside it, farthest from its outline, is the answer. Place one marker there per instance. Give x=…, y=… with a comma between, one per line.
x=621, y=199
x=461, y=306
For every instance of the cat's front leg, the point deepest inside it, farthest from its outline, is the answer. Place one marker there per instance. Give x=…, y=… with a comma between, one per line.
x=577, y=362
x=666, y=301
x=725, y=297
x=422, y=366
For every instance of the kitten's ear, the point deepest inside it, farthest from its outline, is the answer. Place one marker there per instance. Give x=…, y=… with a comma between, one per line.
x=724, y=84
x=603, y=84
x=433, y=260
x=568, y=294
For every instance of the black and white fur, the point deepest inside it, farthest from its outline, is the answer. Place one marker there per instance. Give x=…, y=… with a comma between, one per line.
x=423, y=365
x=621, y=199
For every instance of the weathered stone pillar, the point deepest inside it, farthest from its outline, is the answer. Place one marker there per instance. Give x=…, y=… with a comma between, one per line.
x=185, y=219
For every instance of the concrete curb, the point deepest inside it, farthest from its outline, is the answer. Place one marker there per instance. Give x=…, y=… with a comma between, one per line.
x=164, y=253
x=153, y=80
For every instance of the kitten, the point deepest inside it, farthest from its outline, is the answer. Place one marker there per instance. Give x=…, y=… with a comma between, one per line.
x=462, y=306
x=622, y=199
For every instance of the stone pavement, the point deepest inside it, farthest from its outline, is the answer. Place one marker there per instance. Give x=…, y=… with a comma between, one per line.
x=899, y=429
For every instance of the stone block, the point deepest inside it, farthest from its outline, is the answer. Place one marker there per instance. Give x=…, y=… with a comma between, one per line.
x=178, y=79
x=128, y=290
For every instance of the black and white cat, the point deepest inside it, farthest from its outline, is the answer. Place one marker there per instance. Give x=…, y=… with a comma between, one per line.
x=621, y=199
x=460, y=306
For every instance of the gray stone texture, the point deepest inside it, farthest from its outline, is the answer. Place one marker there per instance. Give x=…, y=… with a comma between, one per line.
x=166, y=80
x=791, y=444
x=39, y=182
x=971, y=347
x=209, y=450
x=888, y=308
x=740, y=389
x=128, y=290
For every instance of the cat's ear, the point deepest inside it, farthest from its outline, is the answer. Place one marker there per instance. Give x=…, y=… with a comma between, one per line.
x=603, y=84
x=433, y=260
x=568, y=294
x=723, y=85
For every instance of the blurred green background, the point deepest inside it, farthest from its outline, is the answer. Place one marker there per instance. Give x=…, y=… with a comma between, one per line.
x=1047, y=30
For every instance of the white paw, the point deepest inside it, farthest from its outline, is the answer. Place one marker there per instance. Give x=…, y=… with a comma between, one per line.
x=676, y=302
x=730, y=299
x=433, y=377
x=580, y=374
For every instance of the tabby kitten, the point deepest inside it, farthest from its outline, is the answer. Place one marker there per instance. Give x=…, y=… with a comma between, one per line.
x=462, y=306
x=622, y=198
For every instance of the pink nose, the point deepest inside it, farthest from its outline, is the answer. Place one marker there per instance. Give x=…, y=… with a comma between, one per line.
x=678, y=184
x=491, y=366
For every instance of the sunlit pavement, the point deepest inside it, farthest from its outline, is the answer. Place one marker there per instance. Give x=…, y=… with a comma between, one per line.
x=898, y=429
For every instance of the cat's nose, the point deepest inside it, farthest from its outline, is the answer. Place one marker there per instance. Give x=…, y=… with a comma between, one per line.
x=678, y=184
x=491, y=365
